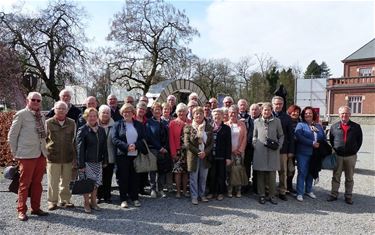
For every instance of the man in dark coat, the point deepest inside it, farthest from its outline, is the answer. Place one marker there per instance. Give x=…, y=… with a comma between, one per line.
x=115, y=110
x=73, y=112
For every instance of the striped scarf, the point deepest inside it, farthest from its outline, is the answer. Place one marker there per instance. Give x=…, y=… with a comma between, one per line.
x=39, y=125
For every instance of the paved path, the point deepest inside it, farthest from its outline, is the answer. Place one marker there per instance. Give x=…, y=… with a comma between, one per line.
x=230, y=216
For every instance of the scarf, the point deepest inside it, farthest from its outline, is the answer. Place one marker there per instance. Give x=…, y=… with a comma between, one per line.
x=201, y=134
x=39, y=125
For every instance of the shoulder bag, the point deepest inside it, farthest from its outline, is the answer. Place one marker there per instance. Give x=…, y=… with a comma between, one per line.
x=145, y=162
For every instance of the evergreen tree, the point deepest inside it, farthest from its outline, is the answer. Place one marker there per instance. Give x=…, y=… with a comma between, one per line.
x=325, y=71
x=313, y=70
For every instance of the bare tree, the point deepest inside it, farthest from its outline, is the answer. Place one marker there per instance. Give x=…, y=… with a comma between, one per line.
x=51, y=42
x=12, y=92
x=149, y=36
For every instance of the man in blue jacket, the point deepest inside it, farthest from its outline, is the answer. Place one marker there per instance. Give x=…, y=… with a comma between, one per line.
x=346, y=139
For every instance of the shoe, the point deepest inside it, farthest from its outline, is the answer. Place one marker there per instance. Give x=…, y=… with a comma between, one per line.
x=194, y=201
x=178, y=195
x=100, y=201
x=292, y=191
x=331, y=198
x=311, y=195
x=210, y=196
x=95, y=208
x=349, y=201
x=162, y=194
x=300, y=198
x=187, y=194
x=52, y=207
x=204, y=199
x=66, y=205
x=143, y=192
x=238, y=194
x=39, y=213
x=124, y=204
x=220, y=197
x=230, y=195
x=262, y=200
x=87, y=209
x=273, y=200
x=283, y=197
x=137, y=203
x=153, y=194
x=22, y=216
x=108, y=200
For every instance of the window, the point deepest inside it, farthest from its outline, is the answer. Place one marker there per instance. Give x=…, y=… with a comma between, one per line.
x=355, y=104
x=365, y=72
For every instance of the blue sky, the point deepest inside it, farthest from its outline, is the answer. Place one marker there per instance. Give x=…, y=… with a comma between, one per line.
x=292, y=32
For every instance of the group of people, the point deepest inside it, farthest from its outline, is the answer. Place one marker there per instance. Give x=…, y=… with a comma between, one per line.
x=216, y=151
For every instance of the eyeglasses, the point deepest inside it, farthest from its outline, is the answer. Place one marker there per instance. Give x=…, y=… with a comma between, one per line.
x=35, y=100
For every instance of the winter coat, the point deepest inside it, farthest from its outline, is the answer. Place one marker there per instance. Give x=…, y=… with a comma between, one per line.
x=266, y=159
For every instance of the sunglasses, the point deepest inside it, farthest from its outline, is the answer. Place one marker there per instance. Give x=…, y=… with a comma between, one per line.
x=35, y=100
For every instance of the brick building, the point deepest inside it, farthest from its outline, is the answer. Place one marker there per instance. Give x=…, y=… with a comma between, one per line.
x=357, y=87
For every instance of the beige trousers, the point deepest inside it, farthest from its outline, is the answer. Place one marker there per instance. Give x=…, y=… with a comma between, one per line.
x=59, y=176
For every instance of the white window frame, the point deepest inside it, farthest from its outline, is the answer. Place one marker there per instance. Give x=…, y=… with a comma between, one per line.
x=355, y=104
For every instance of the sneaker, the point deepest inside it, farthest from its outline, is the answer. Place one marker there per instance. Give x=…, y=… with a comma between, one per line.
x=153, y=194
x=204, y=199
x=137, y=203
x=238, y=194
x=210, y=196
x=194, y=201
x=124, y=204
x=299, y=198
x=311, y=195
x=230, y=195
x=162, y=194
x=220, y=197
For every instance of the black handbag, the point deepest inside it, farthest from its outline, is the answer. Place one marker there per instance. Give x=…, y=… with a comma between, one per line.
x=83, y=185
x=271, y=144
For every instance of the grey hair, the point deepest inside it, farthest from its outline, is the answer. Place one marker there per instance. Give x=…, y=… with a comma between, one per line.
x=172, y=96
x=193, y=95
x=233, y=108
x=59, y=103
x=345, y=107
x=111, y=96
x=228, y=98
x=70, y=92
x=181, y=107
x=103, y=108
x=277, y=98
x=31, y=95
x=218, y=110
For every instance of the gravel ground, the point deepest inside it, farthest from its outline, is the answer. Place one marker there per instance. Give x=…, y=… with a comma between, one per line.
x=230, y=216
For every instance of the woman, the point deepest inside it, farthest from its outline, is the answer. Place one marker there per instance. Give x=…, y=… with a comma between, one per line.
x=127, y=139
x=308, y=133
x=140, y=116
x=266, y=160
x=92, y=154
x=238, y=175
x=225, y=114
x=177, y=152
x=294, y=112
x=166, y=112
x=105, y=121
x=198, y=144
x=157, y=140
x=221, y=156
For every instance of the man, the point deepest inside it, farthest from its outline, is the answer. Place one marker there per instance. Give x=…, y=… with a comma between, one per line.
x=287, y=150
x=73, y=112
x=27, y=140
x=227, y=101
x=346, y=139
x=207, y=112
x=191, y=105
x=90, y=102
x=214, y=103
x=61, y=153
x=194, y=96
x=115, y=110
x=254, y=114
x=129, y=100
x=172, y=101
x=145, y=100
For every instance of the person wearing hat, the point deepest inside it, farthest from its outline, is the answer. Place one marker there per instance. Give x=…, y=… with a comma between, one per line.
x=27, y=140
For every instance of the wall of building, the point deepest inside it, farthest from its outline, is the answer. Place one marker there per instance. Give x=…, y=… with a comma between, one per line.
x=339, y=98
x=351, y=69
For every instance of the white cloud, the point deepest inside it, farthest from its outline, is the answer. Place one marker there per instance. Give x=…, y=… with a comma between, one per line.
x=291, y=32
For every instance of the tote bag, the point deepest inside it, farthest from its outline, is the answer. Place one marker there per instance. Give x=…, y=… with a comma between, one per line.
x=145, y=162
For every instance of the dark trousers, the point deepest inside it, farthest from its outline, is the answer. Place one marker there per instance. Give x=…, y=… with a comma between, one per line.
x=216, y=177
x=128, y=178
x=104, y=190
x=143, y=181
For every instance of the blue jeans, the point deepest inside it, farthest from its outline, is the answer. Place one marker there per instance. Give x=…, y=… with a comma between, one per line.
x=304, y=178
x=198, y=180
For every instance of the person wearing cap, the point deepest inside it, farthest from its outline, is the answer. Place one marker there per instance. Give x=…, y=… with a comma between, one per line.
x=61, y=153
x=73, y=112
x=115, y=110
x=27, y=140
